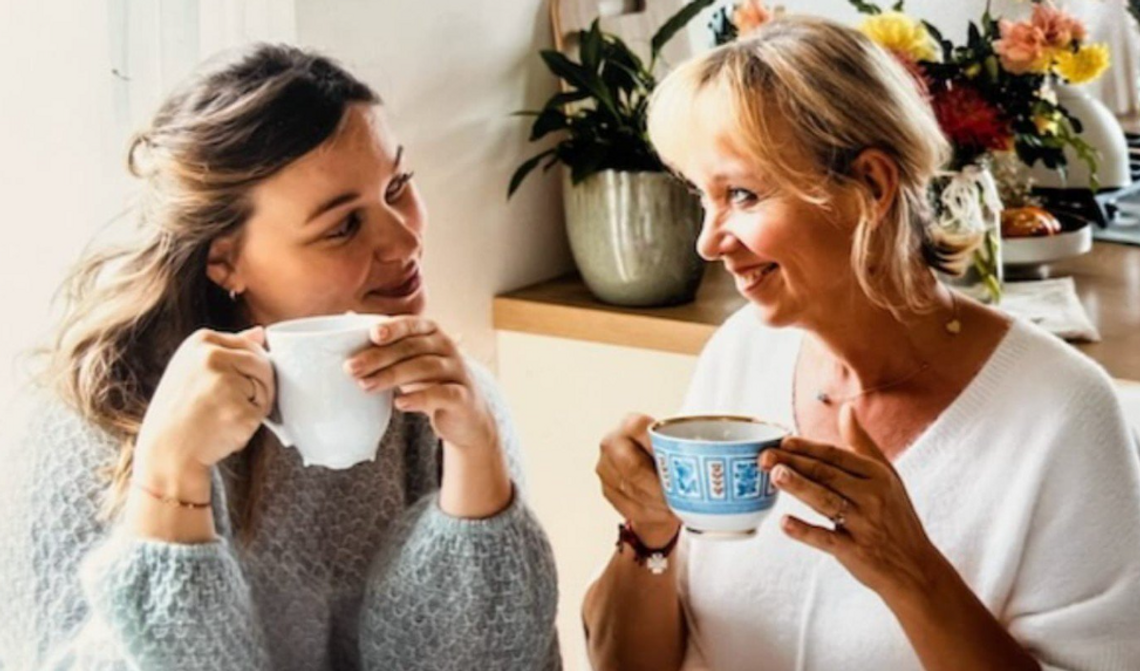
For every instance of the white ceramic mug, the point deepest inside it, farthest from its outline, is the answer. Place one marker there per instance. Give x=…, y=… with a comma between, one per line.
x=323, y=411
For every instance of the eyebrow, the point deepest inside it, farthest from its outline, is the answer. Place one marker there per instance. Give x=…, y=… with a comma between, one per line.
x=349, y=196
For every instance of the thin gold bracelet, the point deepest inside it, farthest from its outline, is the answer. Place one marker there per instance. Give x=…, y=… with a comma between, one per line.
x=170, y=501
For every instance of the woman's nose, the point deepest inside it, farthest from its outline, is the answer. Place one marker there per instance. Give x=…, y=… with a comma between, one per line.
x=397, y=238
x=713, y=241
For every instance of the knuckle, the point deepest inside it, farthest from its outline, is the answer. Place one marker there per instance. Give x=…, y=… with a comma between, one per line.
x=214, y=358
x=631, y=422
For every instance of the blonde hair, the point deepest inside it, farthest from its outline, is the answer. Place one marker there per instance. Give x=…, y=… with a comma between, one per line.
x=240, y=119
x=838, y=94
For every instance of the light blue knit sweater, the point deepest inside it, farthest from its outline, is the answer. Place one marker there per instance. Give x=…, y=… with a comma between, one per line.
x=355, y=569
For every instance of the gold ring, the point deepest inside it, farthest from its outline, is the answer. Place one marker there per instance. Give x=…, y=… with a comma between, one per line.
x=252, y=398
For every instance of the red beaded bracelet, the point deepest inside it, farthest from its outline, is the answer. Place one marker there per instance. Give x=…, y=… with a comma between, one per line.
x=654, y=559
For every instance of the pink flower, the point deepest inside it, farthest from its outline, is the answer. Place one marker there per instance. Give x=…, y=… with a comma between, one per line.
x=1059, y=28
x=1022, y=47
x=750, y=15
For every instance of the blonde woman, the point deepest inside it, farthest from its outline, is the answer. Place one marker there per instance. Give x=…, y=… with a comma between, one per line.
x=961, y=493
x=152, y=525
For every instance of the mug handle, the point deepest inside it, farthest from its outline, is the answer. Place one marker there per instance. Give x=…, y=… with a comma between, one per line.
x=278, y=428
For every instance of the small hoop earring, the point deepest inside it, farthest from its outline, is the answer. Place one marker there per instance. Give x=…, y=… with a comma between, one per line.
x=233, y=295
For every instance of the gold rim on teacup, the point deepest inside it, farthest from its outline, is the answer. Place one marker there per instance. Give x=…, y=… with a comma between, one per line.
x=655, y=427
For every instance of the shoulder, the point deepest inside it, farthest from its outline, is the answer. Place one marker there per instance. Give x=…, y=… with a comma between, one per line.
x=58, y=445
x=1036, y=364
x=1065, y=403
x=56, y=477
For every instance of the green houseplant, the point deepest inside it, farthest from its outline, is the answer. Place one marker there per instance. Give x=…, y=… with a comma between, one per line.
x=632, y=226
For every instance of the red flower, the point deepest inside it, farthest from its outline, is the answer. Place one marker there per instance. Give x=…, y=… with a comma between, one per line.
x=969, y=120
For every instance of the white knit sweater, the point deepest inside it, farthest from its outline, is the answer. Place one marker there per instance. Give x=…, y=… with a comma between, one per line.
x=1029, y=483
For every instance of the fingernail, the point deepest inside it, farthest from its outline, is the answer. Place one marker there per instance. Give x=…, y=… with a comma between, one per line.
x=766, y=461
x=350, y=367
x=400, y=402
x=381, y=332
x=366, y=385
x=780, y=474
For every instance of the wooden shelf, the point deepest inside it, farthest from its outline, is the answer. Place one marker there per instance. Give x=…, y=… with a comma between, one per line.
x=1107, y=280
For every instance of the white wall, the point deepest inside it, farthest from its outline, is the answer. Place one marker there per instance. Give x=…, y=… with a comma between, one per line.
x=451, y=73
x=58, y=150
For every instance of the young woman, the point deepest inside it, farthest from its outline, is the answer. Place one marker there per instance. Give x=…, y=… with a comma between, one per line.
x=153, y=525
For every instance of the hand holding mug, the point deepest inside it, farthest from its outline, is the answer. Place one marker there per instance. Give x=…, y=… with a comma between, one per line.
x=209, y=402
x=629, y=481
x=415, y=356
x=877, y=535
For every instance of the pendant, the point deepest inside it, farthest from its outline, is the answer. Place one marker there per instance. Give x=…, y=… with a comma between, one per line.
x=954, y=326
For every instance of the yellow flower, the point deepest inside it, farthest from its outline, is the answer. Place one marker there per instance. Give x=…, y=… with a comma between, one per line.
x=901, y=34
x=1046, y=123
x=1084, y=65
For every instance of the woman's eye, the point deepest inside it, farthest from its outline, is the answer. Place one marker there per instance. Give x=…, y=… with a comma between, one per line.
x=348, y=227
x=742, y=197
x=397, y=187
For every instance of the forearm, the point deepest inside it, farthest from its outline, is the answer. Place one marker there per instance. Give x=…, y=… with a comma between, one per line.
x=951, y=629
x=475, y=482
x=633, y=618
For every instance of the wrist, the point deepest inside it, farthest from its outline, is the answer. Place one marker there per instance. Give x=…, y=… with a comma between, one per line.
x=172, y=473
x=654, y=557
x=655, y=534
x=930, y=583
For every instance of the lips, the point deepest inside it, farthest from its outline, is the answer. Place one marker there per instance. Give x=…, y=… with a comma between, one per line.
x=748, y=278
x=406, y=286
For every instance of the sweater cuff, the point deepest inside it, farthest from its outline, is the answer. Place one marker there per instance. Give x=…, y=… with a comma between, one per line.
x=166, y=602
x=514, y=513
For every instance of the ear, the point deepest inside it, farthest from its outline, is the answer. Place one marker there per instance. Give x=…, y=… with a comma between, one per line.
x=221, y=264
x=877, y=171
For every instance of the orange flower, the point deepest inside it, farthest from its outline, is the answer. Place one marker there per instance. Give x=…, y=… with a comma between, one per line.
x=750, y=15
x=1059, y=28
x=1023, y=48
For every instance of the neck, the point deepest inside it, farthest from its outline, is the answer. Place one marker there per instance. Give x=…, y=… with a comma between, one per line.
x=868, y=346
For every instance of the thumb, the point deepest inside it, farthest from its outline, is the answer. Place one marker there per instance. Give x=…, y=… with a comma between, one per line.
x=856, y=437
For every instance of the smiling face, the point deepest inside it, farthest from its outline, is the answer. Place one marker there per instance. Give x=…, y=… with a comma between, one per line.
x=789, y=257
x=339, y=229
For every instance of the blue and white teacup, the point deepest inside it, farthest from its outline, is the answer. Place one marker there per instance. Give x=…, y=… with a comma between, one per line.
x=710, y=471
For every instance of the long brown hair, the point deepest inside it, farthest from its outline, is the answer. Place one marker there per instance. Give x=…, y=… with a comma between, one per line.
x=239, y=119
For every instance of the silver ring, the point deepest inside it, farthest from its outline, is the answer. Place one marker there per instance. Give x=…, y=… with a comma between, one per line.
x=840, y=518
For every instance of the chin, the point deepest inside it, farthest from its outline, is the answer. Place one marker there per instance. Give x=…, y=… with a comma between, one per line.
x=774, y=315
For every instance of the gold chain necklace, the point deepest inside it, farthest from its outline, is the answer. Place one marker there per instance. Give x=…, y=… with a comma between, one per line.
x=953, y=327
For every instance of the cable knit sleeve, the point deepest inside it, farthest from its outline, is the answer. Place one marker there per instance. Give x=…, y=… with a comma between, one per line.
x=1076, y=603
x=449, y=593
x=75, y=593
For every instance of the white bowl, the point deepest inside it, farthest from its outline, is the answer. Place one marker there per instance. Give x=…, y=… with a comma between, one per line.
x=1035, y=251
